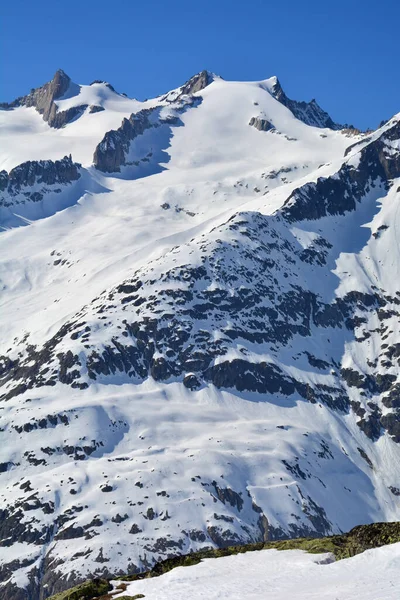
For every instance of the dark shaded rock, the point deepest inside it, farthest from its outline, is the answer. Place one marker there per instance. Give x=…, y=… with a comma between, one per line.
x=228, y=495
x=107, y=488
x=261, y=124
x=255, y=377
x=340, y=194
x=111, y=153
x=223, y=538
x=135, y=529
x=164, y=545
x=93, y=108
x=197, y=83
x=119, y=519
x=197, y=536
x=365, y=457
x=43, y=98
x=45, y=172
x=391, y=422
x=191, y=382
x=308, y=112
x=392, y=400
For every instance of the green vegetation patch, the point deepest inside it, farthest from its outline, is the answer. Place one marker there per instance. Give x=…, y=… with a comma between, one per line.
x=85, y=591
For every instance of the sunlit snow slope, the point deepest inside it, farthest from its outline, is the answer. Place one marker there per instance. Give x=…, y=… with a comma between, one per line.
x=199, y=326
x=278, y=576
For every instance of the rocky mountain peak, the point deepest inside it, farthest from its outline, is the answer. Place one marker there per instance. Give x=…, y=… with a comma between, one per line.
x=198, y=82
x=59, y=84
x=43, y=100
x=195, y=84
x=308, y=112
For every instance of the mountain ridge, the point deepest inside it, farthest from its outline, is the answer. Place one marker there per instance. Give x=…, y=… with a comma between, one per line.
x=199, y=328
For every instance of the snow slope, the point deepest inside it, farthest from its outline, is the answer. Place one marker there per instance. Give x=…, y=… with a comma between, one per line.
x=280, y=575
x=200, y=347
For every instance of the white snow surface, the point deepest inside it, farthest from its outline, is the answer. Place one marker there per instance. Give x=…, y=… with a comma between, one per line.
x=276, y=575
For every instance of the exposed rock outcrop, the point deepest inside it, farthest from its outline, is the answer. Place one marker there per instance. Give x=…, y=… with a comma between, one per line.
x=261, y=124
x=197, y=83
x=110, y=154
x=16, y=186
x=43, y=99
x=308, y=112
x=378, y=164
x=48, y=172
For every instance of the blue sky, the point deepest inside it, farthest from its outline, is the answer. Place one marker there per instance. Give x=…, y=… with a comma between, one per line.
x=343, y=53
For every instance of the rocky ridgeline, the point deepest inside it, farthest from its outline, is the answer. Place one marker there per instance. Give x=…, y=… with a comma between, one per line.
x=308, y=112
x=30, y=181
x=195, y=84
x=43, y=100
x=379, y=163
x=112, y=152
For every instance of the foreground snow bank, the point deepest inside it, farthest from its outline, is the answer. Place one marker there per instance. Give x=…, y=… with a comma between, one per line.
x=277, y=575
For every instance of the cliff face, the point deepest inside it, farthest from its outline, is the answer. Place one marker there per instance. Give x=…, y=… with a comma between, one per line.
x=43, y=100
x=308, y=112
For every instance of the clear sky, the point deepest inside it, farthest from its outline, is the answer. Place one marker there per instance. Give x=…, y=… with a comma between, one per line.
x=345, y=53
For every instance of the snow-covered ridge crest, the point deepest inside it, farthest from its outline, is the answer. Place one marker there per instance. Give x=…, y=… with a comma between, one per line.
x=308, y=112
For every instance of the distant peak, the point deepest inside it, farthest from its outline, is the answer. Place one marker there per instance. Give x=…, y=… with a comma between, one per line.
x=59, y=84
x=308, y=112
x=110, y=87
x=60, y=74
x=197, y=82
x=273, y=86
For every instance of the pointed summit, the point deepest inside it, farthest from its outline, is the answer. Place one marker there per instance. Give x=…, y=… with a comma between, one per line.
x=309, y=113
x=197, y=82
x=42, y=98
x=59, y=84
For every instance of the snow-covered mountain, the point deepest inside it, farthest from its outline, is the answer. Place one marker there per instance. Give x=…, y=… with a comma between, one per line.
x=199, y=326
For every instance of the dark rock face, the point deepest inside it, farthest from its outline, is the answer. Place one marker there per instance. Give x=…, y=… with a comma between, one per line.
x=94, y=108
x=14, y=186
x=42, y=171
x=308, y=112
x=110, y=154
x=261, y=124
x=43, y=98
x=194, y=84
x=336, y=196
x=197, y=83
